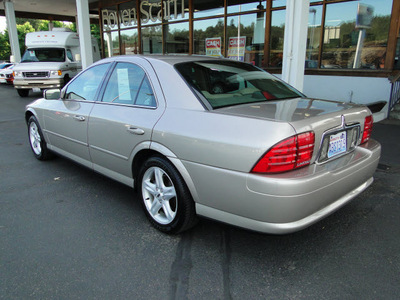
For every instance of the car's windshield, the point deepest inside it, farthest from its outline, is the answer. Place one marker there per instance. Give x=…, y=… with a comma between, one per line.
x=44, y=55
x=226, y=83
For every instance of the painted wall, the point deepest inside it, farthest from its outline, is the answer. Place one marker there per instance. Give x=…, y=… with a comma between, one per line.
x=360, y=90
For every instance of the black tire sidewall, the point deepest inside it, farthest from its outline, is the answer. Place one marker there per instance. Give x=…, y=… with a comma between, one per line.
x=43, y=154
x=23, y=93
x=185, y=202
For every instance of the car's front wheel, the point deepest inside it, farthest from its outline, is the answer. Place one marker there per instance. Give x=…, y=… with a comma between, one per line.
x=36, y=140
x=165, y=197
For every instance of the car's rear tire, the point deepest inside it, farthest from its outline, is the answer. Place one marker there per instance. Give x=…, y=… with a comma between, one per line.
x=23, y=92
x=37, y=141
x=165, y=198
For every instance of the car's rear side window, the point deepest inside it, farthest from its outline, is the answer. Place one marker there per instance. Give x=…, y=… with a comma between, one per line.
x=225, y=83
x=128, y=84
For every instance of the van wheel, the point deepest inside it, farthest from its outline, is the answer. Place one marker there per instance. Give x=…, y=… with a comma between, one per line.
x=23, y=92
x=66, y=79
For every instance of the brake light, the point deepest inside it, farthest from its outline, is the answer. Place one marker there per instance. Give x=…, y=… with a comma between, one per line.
x=367, y=129
x=289, y=154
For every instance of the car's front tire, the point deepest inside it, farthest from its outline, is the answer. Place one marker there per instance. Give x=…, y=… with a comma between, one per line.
x=165, y=197
x=36, y=140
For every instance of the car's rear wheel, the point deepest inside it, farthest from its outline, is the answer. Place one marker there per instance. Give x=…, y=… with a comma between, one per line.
x=165, y=197
x=36, y=140
x=23, y=92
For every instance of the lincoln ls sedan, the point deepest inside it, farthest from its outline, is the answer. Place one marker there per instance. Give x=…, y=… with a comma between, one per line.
x=198, y=136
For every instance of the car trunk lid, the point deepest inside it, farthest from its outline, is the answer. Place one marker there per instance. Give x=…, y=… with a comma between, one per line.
x=332, y=122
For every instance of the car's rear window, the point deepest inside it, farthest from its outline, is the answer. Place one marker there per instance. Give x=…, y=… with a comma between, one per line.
x=226, y=83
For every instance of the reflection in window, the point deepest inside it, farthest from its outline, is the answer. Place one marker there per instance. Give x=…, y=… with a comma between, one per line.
x=278, y=3
x=208, y=37
x=234, y=7
x=277, y=36
x=397, y=54
x=129, y=41
x=152, y=40
x=176, y=10
x=111, y=43
x=127, y=14
x=150, y=12
x=208, y=8
x=246, y=42
x=177, y=38
x=357, y=44
x=129, y=85
x=84, y=87
x=109, y=18
x=314, y=32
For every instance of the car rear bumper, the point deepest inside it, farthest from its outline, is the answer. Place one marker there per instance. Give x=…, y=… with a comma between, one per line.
x=38, y=83
x=287, y=202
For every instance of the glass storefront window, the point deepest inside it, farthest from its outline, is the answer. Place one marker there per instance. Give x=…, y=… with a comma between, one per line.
x=127, y=14
x=246, y=42
x=277, y=35
x=278, y=3
x=176, y=10
x=397, y=54
x=150, y=12
x=152, y=40
x=314, y=32
x=356, y=34
x=208, y=8
x=235, y=6
x=109, y=18
x=208, y=37
x=129, y=42
x=111, y=43
x=177, y=38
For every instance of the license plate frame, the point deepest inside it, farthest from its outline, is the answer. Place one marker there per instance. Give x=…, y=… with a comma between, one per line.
x=337, y=144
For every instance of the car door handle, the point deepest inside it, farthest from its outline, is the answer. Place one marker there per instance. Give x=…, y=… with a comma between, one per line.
x=79, y=118
x=135, y=130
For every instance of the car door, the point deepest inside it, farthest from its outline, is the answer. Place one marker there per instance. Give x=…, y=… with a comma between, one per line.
x=66, y=120
x=124, y=119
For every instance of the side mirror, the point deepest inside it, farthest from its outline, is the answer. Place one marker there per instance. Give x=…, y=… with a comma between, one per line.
x=52, y=94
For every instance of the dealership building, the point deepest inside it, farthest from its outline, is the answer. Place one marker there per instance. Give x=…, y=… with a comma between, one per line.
x=345, y=50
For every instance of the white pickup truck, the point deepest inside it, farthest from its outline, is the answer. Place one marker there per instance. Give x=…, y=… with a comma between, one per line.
x=50, y=60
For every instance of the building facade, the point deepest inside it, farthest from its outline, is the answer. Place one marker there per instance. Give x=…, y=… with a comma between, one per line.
x=254, y=32
x=352, y=50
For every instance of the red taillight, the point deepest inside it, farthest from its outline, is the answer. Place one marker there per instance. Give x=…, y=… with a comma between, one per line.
x=292, y=153
x=367, y=129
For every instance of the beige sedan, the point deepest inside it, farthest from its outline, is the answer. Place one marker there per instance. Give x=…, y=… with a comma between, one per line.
x=198, y=136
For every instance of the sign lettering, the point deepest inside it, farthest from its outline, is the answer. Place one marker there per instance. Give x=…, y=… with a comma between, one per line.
x=151, y=12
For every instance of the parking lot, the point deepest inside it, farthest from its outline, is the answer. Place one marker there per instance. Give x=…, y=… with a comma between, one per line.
x=69, y=233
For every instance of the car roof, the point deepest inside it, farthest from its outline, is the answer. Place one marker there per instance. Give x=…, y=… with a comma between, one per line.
x=171, y=59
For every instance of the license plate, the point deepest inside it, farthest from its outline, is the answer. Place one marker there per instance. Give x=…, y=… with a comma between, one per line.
x=337, y=144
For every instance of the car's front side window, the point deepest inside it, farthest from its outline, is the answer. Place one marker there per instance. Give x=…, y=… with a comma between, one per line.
x=86, y=85
x=129, y=85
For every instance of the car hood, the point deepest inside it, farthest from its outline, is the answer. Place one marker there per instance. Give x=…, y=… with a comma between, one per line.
x=290, y=110
x=32, y=66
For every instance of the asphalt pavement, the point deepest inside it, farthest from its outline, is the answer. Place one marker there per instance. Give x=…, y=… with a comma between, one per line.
x=69, y=233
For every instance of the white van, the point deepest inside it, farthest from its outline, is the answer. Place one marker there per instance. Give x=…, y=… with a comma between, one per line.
x=50, y=60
